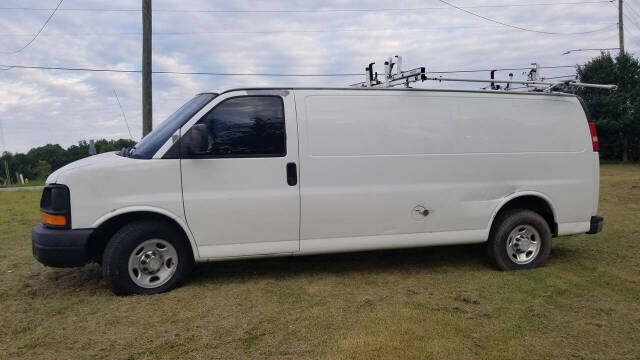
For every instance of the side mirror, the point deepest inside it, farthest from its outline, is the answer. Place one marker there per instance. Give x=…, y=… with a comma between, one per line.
x=196, y=140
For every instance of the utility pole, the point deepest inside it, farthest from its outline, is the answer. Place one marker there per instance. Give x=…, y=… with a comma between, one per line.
x=620, y=26
x=147, y=104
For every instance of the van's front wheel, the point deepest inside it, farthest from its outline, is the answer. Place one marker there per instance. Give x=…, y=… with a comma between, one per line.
x=520, y=239
x=146, y=257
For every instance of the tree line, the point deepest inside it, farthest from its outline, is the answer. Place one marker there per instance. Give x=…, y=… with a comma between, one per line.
x=615, y=113
x=40, y=161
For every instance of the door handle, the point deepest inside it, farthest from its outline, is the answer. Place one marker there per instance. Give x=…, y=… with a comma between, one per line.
x=292, y=174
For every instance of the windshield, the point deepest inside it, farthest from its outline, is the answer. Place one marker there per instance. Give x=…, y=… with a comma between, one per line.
x=151, y=143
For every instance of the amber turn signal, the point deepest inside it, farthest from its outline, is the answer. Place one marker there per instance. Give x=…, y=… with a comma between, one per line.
x=55, y=220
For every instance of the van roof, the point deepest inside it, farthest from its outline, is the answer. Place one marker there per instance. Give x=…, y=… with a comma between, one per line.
x=398, y=89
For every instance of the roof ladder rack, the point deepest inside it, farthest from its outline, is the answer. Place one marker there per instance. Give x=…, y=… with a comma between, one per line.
x=399, y=77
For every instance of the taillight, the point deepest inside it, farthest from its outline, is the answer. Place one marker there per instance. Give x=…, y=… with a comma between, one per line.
x=594, y=136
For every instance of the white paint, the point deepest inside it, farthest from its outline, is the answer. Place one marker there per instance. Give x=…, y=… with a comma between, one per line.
x=423, y=123
x=106, y=185
x=262, y=248
x=366, y=159
x=573, y=228
x=379, y=242
x=240, y=201
x=370, y=156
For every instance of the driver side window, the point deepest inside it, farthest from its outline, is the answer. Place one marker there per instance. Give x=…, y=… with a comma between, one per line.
x=246, y=126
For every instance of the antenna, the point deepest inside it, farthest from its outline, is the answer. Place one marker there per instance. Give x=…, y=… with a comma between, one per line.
x=123, y=115
x=400, y=77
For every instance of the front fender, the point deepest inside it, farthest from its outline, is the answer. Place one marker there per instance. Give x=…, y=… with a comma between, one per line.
x=151, y=209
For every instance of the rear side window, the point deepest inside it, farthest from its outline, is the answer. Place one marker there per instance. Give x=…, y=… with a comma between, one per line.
x=246, y=126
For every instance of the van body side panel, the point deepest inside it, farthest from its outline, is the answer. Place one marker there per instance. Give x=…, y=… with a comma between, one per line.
x=372, y=160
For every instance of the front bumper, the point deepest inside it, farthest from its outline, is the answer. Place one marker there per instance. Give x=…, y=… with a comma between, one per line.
x=596, y=224
x=61, y=247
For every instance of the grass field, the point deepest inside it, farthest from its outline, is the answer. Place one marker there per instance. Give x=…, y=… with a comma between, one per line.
x=434, y=303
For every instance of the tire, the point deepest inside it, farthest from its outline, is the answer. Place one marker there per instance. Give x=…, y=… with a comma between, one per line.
x=519, y=239
x=160, y=254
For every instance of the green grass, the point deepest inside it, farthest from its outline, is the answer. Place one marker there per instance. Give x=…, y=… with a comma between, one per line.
x=434, y=303
x=35, y=182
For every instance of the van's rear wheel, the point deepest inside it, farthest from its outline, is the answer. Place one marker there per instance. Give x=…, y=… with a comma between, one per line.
x=520, y=239
x=146, y=257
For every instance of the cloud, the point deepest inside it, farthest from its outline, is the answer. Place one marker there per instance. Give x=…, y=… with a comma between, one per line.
x=38, y=107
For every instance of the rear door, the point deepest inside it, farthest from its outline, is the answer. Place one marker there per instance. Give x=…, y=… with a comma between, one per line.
x=242, y=197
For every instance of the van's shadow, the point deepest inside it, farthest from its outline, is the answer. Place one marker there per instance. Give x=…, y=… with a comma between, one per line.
x=561, y=253
x=437, y=259
x=433, y=258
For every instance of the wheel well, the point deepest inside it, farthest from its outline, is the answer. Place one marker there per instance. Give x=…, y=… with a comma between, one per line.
x=533, y=203
x=107, y=229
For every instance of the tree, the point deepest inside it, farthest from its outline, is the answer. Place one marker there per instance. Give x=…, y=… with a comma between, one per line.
x=77, y=152
x=616, y=113
x=55, y=155
x=40, y=161
x=42, y=169
x=112, y=145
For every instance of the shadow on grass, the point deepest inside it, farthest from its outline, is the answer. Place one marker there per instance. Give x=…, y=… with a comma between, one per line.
x=436, y=259
x=561, y=253
x=439, y=259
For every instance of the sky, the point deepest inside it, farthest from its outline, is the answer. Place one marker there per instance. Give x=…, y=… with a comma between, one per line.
x=38, y=107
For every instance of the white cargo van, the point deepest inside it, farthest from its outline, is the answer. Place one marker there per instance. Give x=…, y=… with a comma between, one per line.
x=297, y=171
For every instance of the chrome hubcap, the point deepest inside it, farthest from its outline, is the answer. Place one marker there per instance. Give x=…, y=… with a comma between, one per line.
x=153, y=263
x=150, y=262
x=523, y=244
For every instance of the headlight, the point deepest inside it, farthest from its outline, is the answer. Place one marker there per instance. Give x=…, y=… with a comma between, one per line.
x=55, y=206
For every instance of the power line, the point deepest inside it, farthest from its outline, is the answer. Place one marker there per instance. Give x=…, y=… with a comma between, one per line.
x=124, y=117
x=38, y=33
x=172, y=72
x=631, y=30
x=225, y=32
x=558, y=77
x=633, y=16
x=313, y=10
x=518, y=27
x=500, y=69
x=632, y=21
x=265, y=74
x=589, y=49
x=633, y=10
